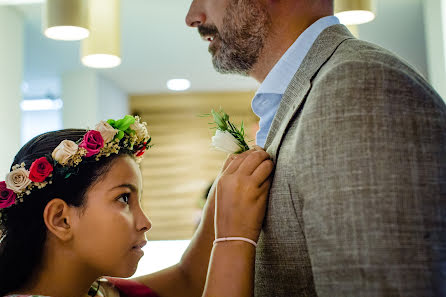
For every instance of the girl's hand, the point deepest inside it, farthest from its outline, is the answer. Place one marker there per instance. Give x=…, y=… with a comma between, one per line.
x=241, y=195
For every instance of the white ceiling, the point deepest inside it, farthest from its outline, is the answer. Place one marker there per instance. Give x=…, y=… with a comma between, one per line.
x=157, y=46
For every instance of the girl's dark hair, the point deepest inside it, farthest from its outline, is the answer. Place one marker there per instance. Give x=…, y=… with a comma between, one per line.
x=22, y=248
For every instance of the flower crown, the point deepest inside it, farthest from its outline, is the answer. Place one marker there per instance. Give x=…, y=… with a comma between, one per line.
x=107, y=138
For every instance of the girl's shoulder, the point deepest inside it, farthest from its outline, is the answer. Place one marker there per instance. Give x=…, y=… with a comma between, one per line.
x=112, y=287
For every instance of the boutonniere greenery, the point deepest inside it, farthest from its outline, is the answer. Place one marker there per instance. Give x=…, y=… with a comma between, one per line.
x=228, y=138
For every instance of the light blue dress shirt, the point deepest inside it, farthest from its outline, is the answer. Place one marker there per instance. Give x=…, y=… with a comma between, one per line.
x=267, y=99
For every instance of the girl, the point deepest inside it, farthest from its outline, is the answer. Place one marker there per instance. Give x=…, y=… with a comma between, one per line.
x=71, y=213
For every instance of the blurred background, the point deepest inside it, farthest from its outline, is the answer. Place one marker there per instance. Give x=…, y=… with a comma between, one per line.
x=165, y=75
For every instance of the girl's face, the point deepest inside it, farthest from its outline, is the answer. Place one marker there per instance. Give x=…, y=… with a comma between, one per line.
x=110, y=230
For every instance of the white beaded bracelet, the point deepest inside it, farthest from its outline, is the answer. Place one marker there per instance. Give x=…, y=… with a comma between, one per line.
x=236, y=239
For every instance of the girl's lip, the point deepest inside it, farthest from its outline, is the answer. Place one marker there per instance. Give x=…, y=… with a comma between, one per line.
x=138, y=251
x=140, y=245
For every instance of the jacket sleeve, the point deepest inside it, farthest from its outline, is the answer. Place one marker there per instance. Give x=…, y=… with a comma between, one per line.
x=374, y=197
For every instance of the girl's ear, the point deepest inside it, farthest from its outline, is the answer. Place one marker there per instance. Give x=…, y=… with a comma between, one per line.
x=57, y=217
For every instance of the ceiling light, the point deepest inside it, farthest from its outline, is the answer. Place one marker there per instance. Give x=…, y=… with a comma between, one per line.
x=178, y=84
x=355, y=12
x=101, y=61
x=41, y=104
x=66, y=20
x=102, y=49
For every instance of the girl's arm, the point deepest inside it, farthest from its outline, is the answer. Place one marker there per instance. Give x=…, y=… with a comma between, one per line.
x=241, y=201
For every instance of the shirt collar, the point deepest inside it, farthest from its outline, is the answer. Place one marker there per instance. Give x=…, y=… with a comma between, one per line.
x=278, y=79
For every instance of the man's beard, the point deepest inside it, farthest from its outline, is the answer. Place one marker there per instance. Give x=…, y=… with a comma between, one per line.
x=237, y=46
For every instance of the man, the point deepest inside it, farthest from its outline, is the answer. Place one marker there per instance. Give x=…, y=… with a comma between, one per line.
x=358, y=201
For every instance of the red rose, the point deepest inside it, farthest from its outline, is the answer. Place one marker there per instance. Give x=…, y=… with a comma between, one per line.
x=7, y=196
x=92, y=142
x=40, y=170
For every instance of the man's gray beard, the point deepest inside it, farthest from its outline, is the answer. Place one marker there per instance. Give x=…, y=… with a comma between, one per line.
x=230, y=63
x=241, y=46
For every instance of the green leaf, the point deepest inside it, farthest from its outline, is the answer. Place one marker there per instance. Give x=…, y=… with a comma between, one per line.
x=120, y=135
x=219, y=120
x=124, y=124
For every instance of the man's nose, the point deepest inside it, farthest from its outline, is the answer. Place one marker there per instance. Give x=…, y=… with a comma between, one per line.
x=195, y=17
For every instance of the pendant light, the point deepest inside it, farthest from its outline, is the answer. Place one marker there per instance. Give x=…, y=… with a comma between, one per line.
x=66, y=19
x=355, y=12
x=102, y=48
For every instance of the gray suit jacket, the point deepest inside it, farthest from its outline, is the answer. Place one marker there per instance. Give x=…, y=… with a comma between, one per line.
x=358, y=202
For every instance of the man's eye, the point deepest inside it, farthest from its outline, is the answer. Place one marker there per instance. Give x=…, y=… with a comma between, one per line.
x=124, y=198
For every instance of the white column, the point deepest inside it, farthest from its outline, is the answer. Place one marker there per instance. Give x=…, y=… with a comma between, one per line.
x=435, y=27
x=11, y=76
x=89, y=98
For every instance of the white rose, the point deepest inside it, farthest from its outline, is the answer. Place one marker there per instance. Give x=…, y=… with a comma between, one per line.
x=226, y=142
x=18, y=180
x=107, y=131
x=64, y=151
x=141, y=131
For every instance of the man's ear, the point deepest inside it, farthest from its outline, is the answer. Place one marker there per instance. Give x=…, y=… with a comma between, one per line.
x=57, y=217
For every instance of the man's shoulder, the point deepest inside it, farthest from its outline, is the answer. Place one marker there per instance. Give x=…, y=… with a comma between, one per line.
x=364, y=56
x=359, y=73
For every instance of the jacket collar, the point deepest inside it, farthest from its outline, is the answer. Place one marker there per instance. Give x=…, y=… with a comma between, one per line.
x=321, y=51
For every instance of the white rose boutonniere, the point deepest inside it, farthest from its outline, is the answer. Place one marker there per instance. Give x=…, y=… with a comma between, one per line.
x=18, y=179
x=225, y=142
x=227, y=137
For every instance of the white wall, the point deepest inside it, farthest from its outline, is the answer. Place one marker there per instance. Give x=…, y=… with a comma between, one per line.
x=79, y=95
x=435, y=27
x=89, y=98
x=11, y=72
x=399, y=27
x=113, y=102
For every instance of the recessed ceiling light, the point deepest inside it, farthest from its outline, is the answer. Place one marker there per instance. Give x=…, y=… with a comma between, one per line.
x=101, y=61
x=41, y=104
x=178, y=84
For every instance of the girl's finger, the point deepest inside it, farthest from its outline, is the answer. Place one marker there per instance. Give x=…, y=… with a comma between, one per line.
x=251, y=162
x=263, y=171
x=228, y=161
x=233, y=157
x=264, y=188
x=235, y=163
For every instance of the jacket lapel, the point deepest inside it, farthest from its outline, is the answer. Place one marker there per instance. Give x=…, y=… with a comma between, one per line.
x=321, y=51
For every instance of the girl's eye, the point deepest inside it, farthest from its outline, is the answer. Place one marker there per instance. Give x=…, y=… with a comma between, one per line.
x=124, y=198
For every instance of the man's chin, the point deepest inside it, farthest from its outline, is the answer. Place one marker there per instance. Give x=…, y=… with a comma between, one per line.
x=226, y=68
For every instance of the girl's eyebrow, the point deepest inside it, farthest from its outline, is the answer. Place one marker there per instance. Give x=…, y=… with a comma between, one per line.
x=132, y=187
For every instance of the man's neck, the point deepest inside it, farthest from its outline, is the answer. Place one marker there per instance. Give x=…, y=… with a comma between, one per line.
x=281, y=37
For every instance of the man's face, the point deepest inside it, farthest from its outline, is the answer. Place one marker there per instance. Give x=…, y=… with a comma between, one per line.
x=236, y=29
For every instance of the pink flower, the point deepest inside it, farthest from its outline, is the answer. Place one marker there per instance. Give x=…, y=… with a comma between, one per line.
x=92, y=142
x=7, y=196
x=40, y=169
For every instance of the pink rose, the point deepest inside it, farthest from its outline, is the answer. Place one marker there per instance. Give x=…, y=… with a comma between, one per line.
x=40, y=169
x=7, y=196
x=92, y=142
